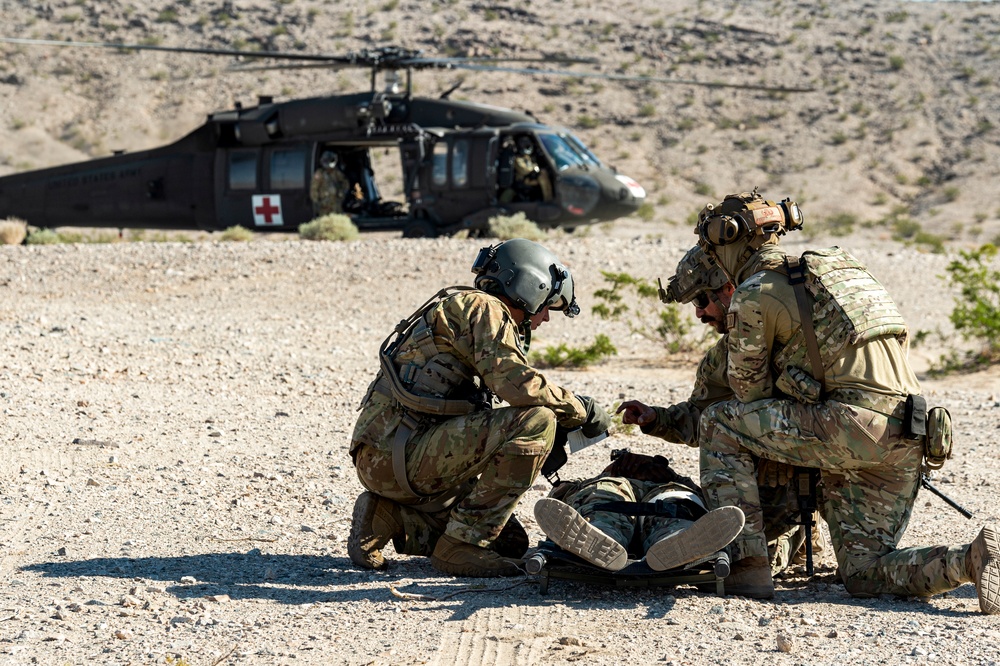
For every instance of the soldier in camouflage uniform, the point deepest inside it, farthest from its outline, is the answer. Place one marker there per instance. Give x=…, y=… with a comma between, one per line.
x=444, y=471
x=329, y=186
x=699, y=280
x=817, y=362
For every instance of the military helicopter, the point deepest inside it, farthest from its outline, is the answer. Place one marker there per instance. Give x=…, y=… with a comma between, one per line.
x=462, y=162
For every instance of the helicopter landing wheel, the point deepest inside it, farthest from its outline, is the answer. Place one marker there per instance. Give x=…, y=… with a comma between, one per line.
x=419, y=229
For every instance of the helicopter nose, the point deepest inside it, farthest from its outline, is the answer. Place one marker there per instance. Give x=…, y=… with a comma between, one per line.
x=630, y=189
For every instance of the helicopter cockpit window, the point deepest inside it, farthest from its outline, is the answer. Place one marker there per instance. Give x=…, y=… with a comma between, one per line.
x=561, y=152
x=288, y=169
x=582, y=149
x=460, y=163
x=243, y=170
x=439, y=175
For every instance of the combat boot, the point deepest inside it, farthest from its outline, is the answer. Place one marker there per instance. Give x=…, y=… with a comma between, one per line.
x=513, y=540
x=375, y=522
x=750, y=577
x=708, y=535
x=983, y=565
x=458, y=558
x=570, y=531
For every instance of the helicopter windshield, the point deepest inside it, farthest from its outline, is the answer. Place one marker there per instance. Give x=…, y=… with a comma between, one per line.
x=568, y=151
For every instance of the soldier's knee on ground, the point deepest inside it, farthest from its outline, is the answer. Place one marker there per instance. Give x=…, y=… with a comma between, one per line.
x=530, y=438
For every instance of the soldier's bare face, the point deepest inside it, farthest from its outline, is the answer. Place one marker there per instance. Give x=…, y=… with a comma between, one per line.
x=712, y=314
x=540, y=318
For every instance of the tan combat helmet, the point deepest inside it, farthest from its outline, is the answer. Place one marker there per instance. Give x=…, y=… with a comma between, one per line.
x=746, y=216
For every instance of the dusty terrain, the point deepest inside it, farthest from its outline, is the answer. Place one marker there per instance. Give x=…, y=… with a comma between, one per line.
x=177, y=484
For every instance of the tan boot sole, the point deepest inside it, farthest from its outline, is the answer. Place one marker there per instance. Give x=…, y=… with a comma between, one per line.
x=571, y=532
x=986, y=548
x=709, y=534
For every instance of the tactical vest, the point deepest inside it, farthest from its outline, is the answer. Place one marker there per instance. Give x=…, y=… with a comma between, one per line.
x=849, y=307
x=422, y=377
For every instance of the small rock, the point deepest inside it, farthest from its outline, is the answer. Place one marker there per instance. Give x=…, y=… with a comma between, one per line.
x=181, y=619
x=188, y=580
x=306, y=528
x=219, y=598
x=570, y=640
x=763, y=621
x=123, y=634
x=717, y=610
x=128, y=601
x=784, y=642
x=833, y=634
x=156, y=588
x=61, y=551
x=92, y=482
x=919, y=652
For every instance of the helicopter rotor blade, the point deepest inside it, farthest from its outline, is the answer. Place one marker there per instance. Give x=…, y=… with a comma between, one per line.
x=304, y=65
x=627, y=77
x=280, y=55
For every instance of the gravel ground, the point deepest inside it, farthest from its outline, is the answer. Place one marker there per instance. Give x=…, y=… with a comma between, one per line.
x=177, y=484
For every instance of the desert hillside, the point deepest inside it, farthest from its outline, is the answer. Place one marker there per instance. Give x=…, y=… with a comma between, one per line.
x=901, y=129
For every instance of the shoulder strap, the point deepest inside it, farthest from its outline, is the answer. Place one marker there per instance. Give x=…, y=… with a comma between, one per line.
x=416, y=403
x=797, y=278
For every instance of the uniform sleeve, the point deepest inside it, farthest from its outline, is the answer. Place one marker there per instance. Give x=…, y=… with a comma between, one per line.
x=677, y=423
x=750, y=343
x=490, y=342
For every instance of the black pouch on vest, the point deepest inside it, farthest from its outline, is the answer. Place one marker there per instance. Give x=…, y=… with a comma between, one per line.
x=915, y=417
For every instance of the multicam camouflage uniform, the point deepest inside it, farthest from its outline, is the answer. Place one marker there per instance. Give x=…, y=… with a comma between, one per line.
x=854, y=434
x=327, y=190
x=679, y=423
x=488, y=457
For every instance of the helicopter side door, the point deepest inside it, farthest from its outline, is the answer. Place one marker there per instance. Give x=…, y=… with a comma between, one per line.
x=263, y=188
x=458, y=177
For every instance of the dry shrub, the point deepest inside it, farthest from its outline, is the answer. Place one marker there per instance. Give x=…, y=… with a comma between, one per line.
x=332, y=227
x=241, y=234
x=12, y=231
x=518, y=225
x=43, y=237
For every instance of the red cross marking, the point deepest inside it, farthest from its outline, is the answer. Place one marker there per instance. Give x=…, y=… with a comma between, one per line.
x=267, y=210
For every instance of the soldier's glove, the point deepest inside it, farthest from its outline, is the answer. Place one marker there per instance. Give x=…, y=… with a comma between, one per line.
x=772, y=473
x=598, y=420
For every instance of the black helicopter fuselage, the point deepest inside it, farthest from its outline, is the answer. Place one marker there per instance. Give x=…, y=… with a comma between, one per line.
x=252, y=167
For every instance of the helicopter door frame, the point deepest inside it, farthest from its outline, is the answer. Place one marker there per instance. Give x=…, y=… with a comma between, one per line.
x=237, y=183
x=285, y=168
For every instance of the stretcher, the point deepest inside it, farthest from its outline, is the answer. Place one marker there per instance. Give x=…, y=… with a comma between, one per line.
x=549, y=561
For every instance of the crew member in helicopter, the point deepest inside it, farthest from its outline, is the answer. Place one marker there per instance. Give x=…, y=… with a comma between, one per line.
x=329, y=186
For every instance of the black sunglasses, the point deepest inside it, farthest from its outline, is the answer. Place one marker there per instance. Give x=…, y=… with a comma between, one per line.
x=702, y=300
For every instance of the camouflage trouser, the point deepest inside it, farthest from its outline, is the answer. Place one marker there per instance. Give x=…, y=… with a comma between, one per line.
x=585, y=496
x=779, y=512
x=495, y=453
x=870, y=477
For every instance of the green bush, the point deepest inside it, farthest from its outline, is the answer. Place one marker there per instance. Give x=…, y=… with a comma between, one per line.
x=333, y=227
x=575, y=357
x=518, y=225
x=12, y=231
x=237, y=233
x=976, y=316
x=43, y=237
x=664, y=324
